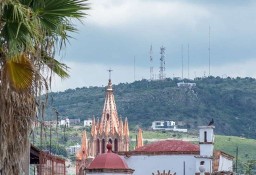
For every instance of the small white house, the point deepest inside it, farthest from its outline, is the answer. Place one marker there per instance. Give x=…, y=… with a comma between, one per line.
x=167, y=126
x=187, y=85
x=73, y=149
x=65, y=122
x=163, y=125
x=87, y=122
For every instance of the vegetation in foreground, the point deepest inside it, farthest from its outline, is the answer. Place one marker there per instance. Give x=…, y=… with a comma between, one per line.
x=30, y=33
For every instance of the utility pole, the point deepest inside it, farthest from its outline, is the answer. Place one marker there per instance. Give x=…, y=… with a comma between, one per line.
x=236, y=158
x=50, y=139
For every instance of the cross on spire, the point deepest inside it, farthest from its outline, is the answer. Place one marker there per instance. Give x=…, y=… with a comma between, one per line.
x=110, y=70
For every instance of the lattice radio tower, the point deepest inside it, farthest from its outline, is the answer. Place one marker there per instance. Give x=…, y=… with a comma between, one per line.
x=209, y=49
x=151, y=63
x=162, y=64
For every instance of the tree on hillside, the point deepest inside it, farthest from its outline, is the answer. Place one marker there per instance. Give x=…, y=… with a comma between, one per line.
x=30, y=33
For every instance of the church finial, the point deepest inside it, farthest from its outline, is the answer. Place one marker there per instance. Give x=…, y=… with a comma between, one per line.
x=110, y=70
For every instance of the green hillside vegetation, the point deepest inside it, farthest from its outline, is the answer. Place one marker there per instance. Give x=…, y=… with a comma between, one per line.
x=231, y=102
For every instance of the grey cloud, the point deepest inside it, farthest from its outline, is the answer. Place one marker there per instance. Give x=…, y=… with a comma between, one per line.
x=233, y=38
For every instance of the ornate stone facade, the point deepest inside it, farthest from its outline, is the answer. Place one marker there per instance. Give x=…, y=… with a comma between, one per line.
x=109, y=129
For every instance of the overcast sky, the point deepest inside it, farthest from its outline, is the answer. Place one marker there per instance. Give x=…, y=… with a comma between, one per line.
x=116, y=31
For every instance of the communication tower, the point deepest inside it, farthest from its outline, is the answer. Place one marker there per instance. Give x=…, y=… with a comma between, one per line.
x=151, y=63
x=162, y=64
x=209, y=49
x=182, y=62
x=188, y=61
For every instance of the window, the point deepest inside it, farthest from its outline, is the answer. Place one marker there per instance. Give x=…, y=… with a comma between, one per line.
x=110, y=141
x=116, y=145
x=205, y=136
x=107, y=117
x=158, y=123
x=98, y=147
x=103, y=146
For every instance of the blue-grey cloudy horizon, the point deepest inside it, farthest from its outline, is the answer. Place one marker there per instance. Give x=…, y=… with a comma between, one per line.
x=117, y=30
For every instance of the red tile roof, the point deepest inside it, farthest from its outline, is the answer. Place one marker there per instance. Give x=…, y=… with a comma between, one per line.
x=169, y=146
x=108, y=160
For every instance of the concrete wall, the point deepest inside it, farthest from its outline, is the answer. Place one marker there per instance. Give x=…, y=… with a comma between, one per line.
x=225, y=164
x=206, y=150
x=143, y=164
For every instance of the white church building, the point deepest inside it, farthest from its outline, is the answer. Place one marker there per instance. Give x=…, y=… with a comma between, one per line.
x=168, y=157
x=180, y=157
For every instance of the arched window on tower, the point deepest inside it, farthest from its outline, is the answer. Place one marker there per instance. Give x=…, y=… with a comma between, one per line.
x=103, y=146
x=205, y=136
x=98, y=146
x=110, y=141
x=107, y=117
x=116, y=145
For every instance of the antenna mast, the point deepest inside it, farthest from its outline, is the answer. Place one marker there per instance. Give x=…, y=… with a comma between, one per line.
x=151, y=63
x=188, y=61
x=182, y=61
x=162, y=64
x=209, y=50
x=134, y=68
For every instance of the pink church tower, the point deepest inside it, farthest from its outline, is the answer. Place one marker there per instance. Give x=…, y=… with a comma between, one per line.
x=110, y=128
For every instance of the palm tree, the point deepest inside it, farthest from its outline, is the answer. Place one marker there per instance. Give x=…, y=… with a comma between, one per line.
x=30, y=33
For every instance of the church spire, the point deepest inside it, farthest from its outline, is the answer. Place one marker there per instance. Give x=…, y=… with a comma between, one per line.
x=126, y=128
x=140, y=138
x=94, y=127
x=109, y=120
x=82, y=153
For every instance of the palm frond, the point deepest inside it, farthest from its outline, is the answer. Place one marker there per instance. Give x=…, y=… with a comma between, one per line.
x=55, y=17
x=20, y=26
x=57, y=67
x=19, y=72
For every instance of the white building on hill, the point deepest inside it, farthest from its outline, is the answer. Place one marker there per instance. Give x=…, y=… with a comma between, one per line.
x=87, y=122
x=73, y=149
x=167, y=126
x=65, y=122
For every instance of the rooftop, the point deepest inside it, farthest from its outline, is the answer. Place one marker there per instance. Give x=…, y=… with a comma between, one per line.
x=108, y=161
x=166, y=147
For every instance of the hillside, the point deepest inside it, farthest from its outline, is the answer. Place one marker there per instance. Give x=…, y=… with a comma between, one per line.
x=231, y=102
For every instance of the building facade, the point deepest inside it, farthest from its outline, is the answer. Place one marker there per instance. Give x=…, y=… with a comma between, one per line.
x=180, y=157
x=109, y=129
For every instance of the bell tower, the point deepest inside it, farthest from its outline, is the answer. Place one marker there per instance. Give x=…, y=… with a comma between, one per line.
x=110, y=128
x=206, y=141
